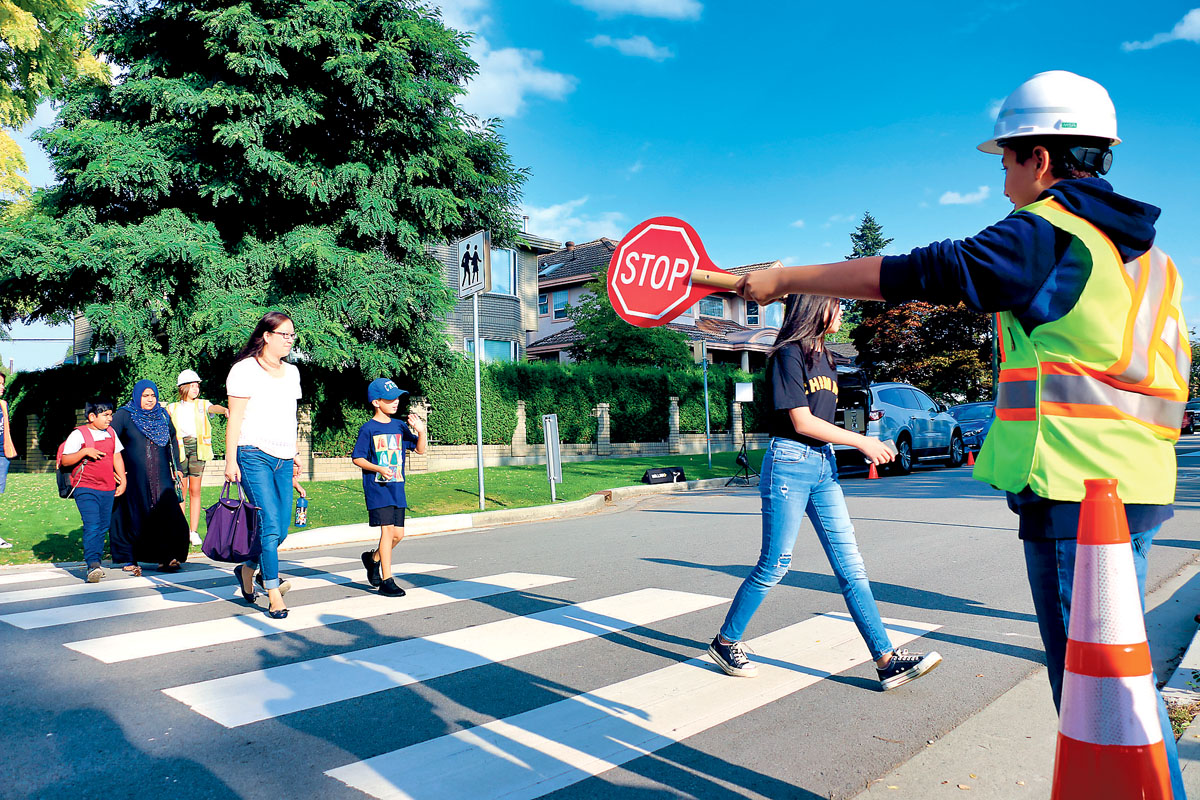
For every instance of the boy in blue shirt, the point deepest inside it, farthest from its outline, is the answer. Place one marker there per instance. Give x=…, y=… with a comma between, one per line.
x=380, y=452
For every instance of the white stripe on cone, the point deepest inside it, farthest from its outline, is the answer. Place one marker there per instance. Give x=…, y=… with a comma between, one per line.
x=1106, y=594
x=1110, y=711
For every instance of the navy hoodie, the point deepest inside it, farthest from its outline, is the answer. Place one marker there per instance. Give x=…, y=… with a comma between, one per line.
x=1017, y=265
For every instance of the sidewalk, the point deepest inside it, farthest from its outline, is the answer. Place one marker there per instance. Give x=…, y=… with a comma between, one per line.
x=1007, y=749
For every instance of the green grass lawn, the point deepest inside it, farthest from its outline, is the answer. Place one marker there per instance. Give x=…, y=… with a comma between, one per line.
x=44, y=527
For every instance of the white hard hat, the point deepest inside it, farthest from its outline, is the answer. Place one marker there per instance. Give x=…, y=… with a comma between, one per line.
x=1056, y=103
x=187, y=376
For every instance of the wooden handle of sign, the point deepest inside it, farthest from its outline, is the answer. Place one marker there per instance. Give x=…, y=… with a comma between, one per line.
x=720, y=279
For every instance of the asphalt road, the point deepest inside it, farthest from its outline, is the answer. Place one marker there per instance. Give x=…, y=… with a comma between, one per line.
x=490, y=679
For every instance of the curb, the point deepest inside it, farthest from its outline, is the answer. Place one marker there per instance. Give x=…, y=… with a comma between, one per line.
x=461, y=523
x=455, y=523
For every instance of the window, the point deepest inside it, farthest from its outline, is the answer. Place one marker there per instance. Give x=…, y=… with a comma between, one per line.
x=543, y=304
x=712, y=307
x=100, y=357
x=495, y=349
x=560, y=304
x=504, y=272
x=894, y=397
x=773, y=318
x=751, y=312
x=920, y=401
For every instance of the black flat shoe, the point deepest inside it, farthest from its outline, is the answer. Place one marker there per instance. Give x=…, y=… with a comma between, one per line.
x=241, y=582
x=280, y=614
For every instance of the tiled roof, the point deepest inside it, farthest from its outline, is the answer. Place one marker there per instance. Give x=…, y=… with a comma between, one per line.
x=564, y=338
x=714, y=331
x=584, y=261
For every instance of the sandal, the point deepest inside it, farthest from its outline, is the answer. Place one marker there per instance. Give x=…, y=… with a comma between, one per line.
x=283, y=587
x=280, y=614
x=171, y=566
x=240, y=575
x=132, y=569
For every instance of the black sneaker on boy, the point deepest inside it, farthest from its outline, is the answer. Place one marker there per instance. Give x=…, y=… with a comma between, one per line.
x=391, y=588
x=94, y=572
x=732, y=658
x=905, y=667
x=373, y=576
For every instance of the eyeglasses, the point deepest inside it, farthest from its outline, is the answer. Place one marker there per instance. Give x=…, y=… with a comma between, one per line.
x=287, y=336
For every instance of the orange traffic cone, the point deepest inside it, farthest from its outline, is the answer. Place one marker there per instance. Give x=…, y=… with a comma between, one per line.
x=1110, y=742
x=872, y=473
x=970, y=458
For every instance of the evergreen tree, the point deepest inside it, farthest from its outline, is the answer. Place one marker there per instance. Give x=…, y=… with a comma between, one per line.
x=290, y=154
x=611, y=340
x=866, y=240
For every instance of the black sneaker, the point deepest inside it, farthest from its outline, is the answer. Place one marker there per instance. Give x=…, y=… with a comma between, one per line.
x=94, y=572
x=391, y=588
x=373, y=576
x=905, y=667
x=732, y=658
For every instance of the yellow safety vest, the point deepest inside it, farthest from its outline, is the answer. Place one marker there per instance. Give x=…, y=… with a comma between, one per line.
x=1099, y=392
x=204, y=450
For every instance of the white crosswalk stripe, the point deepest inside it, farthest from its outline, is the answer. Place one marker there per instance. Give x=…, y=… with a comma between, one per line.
x=86, y=612
x=253, y=696
x=532, y=754
x=188, y=577
x=527, y=755
x=176, y=638
x=34, y=576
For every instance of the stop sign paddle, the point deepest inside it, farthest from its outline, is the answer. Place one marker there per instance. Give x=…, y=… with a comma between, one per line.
x=659, y=270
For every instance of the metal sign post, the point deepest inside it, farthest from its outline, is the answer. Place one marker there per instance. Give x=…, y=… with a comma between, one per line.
x=475, y=276
x=553, y=454
x=707, y=428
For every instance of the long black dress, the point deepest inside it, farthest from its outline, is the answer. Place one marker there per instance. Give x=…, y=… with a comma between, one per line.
x=147, y=522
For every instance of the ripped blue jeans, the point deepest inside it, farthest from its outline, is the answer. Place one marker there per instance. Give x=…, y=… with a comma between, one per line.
x=798, y=480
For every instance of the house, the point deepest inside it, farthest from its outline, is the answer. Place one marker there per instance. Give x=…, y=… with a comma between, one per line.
x=735, y=331
x=507, y=313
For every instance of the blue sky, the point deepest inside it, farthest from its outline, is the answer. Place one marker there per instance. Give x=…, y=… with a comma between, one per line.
x=771, y=127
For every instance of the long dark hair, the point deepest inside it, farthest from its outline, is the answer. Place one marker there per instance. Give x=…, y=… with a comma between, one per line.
x=258, y=340
x=806, y=319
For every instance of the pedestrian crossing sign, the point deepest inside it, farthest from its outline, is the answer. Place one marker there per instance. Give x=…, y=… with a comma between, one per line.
x=474, y=260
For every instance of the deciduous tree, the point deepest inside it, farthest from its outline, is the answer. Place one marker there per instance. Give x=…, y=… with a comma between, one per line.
x=611, y=340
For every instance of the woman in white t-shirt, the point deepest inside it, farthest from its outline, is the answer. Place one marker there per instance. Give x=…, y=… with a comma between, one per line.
x=264, y=391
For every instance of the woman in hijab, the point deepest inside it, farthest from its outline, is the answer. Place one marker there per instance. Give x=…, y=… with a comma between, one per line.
x=147, y=523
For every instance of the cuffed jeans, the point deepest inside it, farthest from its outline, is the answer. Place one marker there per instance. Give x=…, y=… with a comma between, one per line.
x=95, y=509
x=797, y=480
x=1050, y=564
x=267, y=481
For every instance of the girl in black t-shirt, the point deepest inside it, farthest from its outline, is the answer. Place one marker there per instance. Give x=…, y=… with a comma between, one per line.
x=799, y=476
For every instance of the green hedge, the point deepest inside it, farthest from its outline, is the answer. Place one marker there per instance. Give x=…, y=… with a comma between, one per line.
x=638, y=400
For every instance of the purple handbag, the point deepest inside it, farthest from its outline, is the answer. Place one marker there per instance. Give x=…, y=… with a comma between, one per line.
x=232, y=533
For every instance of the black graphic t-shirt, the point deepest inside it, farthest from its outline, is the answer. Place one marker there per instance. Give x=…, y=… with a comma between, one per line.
x=791, y=383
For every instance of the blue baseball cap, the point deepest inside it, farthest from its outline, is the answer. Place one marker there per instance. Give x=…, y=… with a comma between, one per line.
x=383, y=389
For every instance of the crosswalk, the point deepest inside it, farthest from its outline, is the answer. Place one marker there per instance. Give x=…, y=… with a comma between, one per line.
x=525, y=755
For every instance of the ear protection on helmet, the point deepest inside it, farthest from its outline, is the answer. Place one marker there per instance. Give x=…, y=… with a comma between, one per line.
x=1091, y=159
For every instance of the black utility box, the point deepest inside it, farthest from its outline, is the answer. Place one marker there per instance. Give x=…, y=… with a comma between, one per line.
x=663, y=475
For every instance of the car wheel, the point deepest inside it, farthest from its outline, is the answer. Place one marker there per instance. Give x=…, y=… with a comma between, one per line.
x=903, y=462
x=955, y=458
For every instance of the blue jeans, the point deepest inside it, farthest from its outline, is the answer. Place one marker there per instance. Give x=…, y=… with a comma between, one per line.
x=95, y=508
x=1050, y=564
x=267, y=481
x=797, y=480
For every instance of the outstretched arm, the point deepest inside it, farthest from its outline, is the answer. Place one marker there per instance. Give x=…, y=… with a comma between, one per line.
x=857, y=279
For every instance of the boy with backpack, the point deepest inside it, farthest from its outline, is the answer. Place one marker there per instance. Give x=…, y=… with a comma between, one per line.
x=380, y=453
x=98, y=476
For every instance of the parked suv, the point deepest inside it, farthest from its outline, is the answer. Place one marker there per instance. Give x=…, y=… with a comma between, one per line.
x=919, y=426
x=854, y=403
x=1190, y=412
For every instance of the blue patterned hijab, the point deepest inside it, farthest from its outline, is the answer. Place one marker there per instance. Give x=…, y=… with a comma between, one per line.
x=154, y=424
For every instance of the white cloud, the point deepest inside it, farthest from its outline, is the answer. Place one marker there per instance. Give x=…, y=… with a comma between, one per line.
x=638, y=46
x=827, y=244
x=798, y=223
x=564, y=223
x=993, y=109
x=660, y=9
x=956, y=199
x=1187, y=30
x=838, y=219
x=507, y=77
x=636, y=167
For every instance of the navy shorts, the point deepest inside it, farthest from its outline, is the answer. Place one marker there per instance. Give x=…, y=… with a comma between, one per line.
x=388, y=515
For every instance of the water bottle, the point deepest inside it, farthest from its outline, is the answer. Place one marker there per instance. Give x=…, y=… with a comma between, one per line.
x=301, y=512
